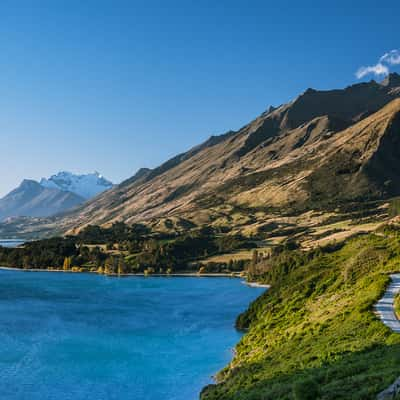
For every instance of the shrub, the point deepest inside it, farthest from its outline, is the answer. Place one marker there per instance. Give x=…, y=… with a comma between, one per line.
x=306, y=389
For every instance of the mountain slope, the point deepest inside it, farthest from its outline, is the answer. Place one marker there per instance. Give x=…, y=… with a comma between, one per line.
x=322, y=150
x=323, y=147
x=33, y=200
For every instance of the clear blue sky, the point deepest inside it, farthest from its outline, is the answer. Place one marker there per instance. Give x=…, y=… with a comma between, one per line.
x=114, y=86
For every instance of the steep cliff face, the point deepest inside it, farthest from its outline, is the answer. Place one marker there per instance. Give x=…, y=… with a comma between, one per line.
x=361, y=162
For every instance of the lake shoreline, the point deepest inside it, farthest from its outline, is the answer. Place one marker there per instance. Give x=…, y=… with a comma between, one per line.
x=257, y=285
x=141, y=274
x=174, y=275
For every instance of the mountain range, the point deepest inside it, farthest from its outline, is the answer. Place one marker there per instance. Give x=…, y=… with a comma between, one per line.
x=51, y=196
x=322, y=148
x=317, y=152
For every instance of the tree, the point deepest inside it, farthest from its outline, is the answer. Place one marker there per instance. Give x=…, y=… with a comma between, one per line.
x=202, y=269
x=253, y=264
x=306, y=389
x=25, y=262
x=96, y=256
x=254, y=259
x=121, y=266
x=67, y=263
x=109, y=266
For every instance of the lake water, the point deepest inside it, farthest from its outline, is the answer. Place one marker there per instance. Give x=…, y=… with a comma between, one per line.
x=11, y=242
x=82, y=337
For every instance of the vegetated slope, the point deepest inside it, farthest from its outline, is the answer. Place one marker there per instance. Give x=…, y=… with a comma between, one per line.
x=323, y=147
x=31, y=199
x=314, y=335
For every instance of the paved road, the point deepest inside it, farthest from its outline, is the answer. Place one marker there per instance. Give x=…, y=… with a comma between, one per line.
x=384, y=307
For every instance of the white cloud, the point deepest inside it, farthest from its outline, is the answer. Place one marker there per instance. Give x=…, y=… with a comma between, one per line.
x=378, y=70
x=382, y=67
x=391, y=58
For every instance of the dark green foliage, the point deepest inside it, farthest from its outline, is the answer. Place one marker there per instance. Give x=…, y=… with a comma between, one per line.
x=306, y=389
x=228, y=243
x=140, y=248
x=39, y=254
x=180, y=251
x=118, y=232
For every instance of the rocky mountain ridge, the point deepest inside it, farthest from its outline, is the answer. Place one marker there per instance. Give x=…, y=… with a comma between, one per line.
x=316, y=153
x=86, y=186
x=321, y=148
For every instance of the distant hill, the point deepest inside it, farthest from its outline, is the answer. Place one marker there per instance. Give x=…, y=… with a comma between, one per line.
x=52, y=196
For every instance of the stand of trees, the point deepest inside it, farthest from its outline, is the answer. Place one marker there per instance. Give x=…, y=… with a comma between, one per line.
x=125, y=249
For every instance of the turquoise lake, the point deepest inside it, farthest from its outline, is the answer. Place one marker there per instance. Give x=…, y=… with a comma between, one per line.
x=82, y=336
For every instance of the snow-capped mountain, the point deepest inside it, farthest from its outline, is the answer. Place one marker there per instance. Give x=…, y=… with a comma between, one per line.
x=30, y=199
x=86, y=186
x=51, y=196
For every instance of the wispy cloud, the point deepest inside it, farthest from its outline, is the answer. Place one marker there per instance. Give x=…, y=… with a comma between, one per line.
x=391, y=58
x=377, y=69
x=382, y=67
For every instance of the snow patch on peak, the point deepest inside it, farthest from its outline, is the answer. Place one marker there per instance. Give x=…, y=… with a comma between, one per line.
x=86, y=186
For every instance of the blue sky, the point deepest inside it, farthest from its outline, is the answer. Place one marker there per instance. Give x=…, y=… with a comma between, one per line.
x=118, y=85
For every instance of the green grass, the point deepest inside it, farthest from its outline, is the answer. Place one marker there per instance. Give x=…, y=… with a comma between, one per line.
x=314, y=334
x=397, y=305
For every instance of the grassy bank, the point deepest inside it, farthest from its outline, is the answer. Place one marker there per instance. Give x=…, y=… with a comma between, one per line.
x=314, y=335
x=397, y=306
